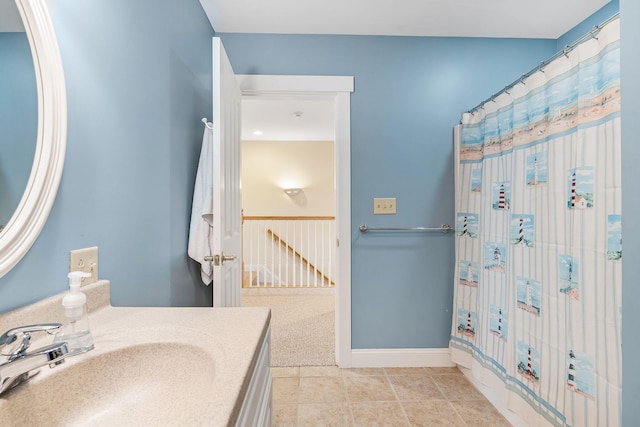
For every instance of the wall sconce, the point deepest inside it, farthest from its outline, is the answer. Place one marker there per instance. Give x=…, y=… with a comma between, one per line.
x=291, y=192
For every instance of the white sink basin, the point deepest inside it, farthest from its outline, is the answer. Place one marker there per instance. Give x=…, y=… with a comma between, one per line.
x=144, y=383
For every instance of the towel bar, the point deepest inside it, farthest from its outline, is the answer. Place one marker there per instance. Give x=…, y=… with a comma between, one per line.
x=444, y=228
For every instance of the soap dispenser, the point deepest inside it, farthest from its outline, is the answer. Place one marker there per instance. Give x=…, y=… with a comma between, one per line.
x=75, y=331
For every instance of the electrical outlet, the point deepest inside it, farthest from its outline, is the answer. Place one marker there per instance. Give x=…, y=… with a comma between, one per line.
x=85, y=260
x=384, y=206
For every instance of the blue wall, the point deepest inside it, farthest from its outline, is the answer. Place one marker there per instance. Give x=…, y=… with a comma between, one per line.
x=138, y=77
x=630, y=70
x=18, y=113
x=409, y=93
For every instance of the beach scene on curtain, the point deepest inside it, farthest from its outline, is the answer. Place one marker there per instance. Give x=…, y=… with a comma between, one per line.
x=557, y=109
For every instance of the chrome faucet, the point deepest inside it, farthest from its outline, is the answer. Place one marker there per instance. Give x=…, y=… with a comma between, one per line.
x=21, y=365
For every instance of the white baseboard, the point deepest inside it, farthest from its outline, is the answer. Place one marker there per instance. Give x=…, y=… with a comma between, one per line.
x=400, y=357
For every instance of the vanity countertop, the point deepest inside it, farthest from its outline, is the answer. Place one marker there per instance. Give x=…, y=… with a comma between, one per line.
x=228, y=336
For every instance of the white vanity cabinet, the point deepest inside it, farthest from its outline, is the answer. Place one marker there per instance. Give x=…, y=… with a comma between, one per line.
x=256, y=408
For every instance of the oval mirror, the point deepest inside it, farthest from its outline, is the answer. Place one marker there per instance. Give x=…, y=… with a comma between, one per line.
x=26, y=212
x=18, y=110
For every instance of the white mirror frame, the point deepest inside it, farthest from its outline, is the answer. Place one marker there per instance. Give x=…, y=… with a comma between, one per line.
x=25, y=225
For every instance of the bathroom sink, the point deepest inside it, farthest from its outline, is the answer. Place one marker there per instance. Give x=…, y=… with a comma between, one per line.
x=144, y=384
x=151, y=366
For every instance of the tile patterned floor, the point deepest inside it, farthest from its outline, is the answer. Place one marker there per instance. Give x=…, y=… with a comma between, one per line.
x=329, y=396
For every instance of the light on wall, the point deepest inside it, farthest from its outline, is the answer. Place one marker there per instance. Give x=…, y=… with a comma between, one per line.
x=292, y=191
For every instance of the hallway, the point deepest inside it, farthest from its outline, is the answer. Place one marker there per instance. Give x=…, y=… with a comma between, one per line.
x=302, y=324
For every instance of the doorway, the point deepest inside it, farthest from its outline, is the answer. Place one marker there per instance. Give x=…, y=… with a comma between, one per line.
x=338, y=89
x=288, y=204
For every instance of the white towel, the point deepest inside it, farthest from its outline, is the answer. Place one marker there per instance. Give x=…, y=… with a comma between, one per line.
x=201, y=228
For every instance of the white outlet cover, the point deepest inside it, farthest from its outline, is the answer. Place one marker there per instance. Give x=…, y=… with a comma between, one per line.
x=85, y=260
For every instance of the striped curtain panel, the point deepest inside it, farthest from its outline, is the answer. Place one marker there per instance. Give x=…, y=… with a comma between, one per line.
x=537, y=303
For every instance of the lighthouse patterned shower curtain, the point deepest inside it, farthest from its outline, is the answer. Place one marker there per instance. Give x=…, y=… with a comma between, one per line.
x=537, y=298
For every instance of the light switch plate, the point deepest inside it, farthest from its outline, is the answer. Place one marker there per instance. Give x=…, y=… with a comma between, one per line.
x=384, y=206
x=85, y=260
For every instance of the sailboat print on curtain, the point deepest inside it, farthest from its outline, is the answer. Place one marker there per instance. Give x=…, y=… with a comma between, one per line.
x=542, y=326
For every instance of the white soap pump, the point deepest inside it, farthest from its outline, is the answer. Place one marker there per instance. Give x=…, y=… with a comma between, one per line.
x=75, y=332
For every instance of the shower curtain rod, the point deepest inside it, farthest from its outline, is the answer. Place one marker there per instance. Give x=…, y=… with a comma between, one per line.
x=568, y=48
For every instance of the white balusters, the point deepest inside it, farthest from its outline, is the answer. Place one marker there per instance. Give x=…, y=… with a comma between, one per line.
x=289, y=251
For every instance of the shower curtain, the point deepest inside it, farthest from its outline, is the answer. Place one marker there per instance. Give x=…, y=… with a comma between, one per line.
x=537, y=300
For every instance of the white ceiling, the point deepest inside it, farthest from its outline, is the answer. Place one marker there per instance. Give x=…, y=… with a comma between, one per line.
x=456, y=18
x=287, y=119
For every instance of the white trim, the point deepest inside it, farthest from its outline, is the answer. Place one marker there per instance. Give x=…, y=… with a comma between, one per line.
x=343, y=227
x=400, y=357
x=25, y=225
x=340, y=87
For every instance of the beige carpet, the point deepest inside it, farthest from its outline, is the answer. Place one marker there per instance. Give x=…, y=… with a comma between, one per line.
x=302, y=327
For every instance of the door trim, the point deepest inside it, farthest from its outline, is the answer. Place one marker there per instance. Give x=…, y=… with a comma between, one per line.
x=340, y=87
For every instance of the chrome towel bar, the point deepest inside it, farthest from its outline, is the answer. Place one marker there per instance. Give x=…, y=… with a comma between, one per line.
x=444, y=228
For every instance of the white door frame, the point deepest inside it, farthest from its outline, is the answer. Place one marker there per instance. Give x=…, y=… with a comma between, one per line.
x=340, y=87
